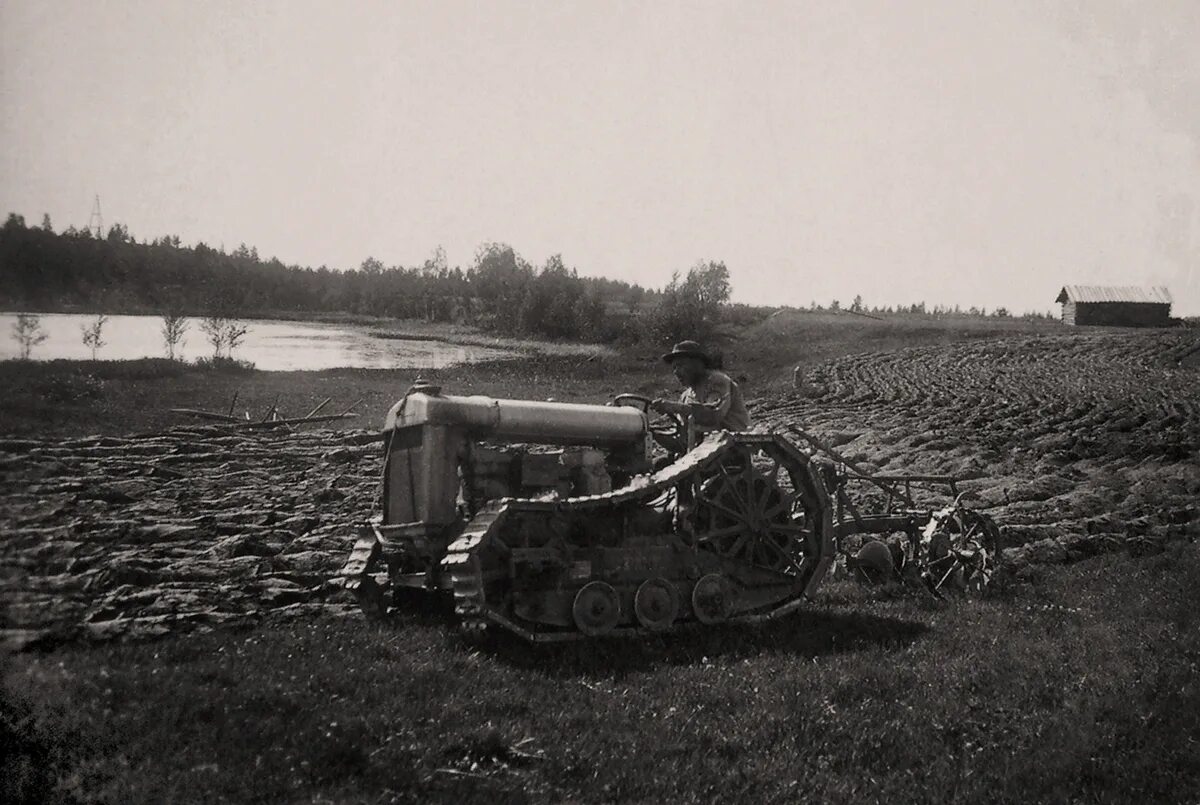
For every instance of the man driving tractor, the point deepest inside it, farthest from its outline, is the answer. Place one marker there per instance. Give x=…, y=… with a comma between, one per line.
x=710, y=396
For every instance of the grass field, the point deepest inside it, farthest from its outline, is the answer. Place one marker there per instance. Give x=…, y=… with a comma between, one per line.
x=1083, y=688
x=1076, y=681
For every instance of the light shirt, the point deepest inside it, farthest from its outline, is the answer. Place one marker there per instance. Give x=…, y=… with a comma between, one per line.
x=716, y=390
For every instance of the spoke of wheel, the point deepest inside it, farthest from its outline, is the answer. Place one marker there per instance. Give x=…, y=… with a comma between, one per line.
x=787, y=557
x=721, y=507
x=737, y=546
x=771, y=483
x=745, y=497
x=724, y=491
x=761, y=498
x=786, y=539
x=721, y=487
x=745, y=490
x=733, y=488
x=789, y=537
x=944, y=577
x=758, y=556
x=727, y=531
x=783, y=505
x=803, y=536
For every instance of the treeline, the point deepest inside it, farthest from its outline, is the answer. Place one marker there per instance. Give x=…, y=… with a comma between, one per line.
x=74, y=270
x=41, y=270
x=921, y=309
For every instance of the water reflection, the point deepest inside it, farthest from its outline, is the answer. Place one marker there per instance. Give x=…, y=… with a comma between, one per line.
x=269, y=345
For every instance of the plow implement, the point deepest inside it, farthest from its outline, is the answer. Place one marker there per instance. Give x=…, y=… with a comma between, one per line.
x=946, y=549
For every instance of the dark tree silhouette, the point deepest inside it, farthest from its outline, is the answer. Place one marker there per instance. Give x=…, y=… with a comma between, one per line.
x=74, y=271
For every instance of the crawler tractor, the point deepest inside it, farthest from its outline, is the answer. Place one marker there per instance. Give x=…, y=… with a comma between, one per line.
x=555, y=521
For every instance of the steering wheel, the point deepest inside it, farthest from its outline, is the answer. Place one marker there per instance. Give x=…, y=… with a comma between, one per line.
x=638, y=401
x=669, y=431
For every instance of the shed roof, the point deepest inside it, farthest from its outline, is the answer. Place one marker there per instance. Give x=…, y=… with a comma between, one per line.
x=1157, y=295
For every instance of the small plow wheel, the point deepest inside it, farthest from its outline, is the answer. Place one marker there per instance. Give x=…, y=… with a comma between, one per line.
x=597, y=609
x=712, y=599
x=656, y=604
x=962, y=552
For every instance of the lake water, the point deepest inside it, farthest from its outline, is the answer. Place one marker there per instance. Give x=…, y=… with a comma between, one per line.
x=269, y=345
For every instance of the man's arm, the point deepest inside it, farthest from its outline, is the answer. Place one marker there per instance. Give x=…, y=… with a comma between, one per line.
x=667, y=407
x=701, y=413
x=707, y=413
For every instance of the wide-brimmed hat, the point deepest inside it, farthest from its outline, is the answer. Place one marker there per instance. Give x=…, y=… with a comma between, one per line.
x=687, y=349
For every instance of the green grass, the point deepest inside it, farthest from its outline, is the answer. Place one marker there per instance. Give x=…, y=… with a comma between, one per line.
x=1081, y=689
x=119, y=397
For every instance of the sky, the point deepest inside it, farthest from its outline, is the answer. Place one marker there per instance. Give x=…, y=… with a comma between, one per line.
x=953, y=152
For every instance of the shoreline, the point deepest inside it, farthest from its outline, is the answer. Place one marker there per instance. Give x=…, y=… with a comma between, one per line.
x=65, y=398
x=378, y=327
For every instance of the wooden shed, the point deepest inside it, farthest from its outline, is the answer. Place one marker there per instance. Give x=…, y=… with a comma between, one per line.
x=1115, y=305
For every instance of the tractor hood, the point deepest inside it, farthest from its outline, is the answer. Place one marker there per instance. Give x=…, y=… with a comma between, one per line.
x=521, y=420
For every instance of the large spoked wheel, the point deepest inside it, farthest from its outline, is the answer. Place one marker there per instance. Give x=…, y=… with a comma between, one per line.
x=748, y=511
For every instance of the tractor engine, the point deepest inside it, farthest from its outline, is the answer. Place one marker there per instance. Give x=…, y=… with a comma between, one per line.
x=446, y=455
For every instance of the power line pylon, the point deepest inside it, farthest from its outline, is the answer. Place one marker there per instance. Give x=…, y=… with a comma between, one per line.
x=96, y=222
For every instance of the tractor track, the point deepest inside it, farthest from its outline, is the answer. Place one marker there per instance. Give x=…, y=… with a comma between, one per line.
x=462, y=558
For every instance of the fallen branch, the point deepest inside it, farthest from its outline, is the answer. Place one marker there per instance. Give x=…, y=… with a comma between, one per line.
x=316, y=410
x=272, y=419
x=280, y=423
x=206, y=415
x=352, y=406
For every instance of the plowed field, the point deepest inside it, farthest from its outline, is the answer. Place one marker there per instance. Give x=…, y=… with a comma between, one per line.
x=1076, y=444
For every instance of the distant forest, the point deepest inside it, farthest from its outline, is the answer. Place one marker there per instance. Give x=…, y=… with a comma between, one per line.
x=76, y=271
x=41, y=270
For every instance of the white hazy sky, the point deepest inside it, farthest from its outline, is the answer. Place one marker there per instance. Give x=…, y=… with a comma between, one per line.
x=945, y=150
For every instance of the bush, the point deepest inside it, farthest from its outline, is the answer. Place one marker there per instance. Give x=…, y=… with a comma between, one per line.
x=28, y=333
x=692, y=307
x=223, y=364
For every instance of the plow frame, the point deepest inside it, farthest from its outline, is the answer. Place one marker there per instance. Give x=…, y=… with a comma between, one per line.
x=921, y=526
